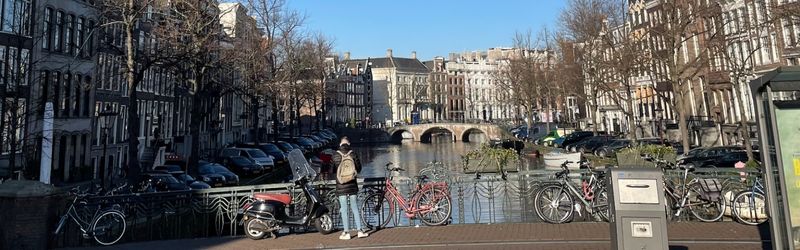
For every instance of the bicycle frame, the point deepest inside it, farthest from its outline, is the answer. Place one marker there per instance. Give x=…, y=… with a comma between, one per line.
x=683, y=198
x=409, y=206
x=72, y=213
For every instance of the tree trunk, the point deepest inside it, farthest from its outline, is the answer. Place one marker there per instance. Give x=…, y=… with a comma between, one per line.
x=275, y=116
x=133, y=108
x=631, y=120
x=194, y=131
x=745, y=128
x=680, y=109
x=254, y=107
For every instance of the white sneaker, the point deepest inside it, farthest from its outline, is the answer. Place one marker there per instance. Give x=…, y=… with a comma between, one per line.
x=344, y=236
x=362, y=234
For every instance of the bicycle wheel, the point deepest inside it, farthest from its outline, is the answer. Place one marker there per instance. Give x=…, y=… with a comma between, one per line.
x=748, y=207
x=377, y=211
x=435, y=207
x=706, y=211
x=109, y=227
x=553, y=204
x=600, y=205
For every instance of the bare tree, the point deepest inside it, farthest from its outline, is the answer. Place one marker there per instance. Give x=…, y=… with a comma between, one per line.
x=527, y=76
x=731, y=53
x=122, y=24
x=195, y=34
x=584, y=23
x=281, y=30
x=677, y=54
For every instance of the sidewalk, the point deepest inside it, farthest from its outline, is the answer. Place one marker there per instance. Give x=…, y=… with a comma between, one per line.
x=684, y=235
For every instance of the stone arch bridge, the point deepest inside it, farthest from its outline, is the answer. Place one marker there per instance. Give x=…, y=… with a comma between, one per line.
x=459, y=131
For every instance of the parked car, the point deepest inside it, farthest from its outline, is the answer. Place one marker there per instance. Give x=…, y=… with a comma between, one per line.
x=323, y=142
x=592, y=143
x=706, y=157
x=288, y=147
x=548, y=139
x=729, y=159
x=271, y=149
x=179, y=174
x=691, y=153
x=242, y=165
x=158, y=181
x=217, y=175
x=325, y=135
x=575, y=137
x=255, y=155
x=306, y=144
x=612, y=148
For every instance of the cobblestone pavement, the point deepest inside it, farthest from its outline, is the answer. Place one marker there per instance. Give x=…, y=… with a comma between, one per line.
x=682, y=235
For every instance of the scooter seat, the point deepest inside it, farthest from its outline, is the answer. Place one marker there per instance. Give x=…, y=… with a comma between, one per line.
x=282, y=198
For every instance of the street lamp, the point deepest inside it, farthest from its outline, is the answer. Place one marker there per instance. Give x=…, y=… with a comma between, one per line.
x=659, y=116
x=108, y=114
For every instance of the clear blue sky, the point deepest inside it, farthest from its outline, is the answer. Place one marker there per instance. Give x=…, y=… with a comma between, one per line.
x=367, y=28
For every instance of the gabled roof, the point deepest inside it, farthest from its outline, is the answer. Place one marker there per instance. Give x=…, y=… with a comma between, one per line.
x=401, y=64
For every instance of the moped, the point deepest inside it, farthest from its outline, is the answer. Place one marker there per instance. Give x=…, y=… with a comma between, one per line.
x=267, y=213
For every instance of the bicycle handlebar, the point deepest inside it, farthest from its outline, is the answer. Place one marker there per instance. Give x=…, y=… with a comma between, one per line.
x=395, y=169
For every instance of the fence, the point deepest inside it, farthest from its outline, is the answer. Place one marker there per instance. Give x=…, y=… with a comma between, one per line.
x=476, y=198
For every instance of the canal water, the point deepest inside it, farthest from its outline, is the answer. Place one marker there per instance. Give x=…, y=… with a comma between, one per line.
x=414, y=156
x=486, y=200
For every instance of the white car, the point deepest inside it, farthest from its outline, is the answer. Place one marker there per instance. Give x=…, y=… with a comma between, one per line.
x=255, y=155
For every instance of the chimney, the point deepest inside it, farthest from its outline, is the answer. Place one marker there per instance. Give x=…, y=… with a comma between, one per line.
x=388, y=52
x=413, y=55
x=347, y=55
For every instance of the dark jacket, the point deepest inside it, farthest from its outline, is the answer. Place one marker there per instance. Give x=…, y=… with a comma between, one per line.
x=350, y=187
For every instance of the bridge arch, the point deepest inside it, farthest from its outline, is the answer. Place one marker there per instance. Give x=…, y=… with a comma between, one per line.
x=400, y=134
x=465, y=135
x=426, y=134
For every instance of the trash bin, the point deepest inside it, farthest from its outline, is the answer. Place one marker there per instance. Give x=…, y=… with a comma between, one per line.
x=28, y=208
x=636, y=203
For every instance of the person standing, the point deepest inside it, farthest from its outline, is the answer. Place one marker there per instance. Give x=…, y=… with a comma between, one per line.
x=348, y=166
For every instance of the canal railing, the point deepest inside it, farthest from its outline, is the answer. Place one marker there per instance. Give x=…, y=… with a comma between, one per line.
x=476, y=199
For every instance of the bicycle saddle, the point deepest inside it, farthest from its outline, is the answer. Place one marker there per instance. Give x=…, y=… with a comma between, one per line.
x=282, y=198
x=690, y=167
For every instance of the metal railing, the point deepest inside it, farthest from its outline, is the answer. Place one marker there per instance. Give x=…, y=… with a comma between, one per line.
x=484, y=198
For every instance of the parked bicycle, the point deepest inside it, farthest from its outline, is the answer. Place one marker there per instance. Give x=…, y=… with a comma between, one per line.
x=749, y=206
x=555, y=202
x=702, y=197
x=105, y=225
x=430, y=202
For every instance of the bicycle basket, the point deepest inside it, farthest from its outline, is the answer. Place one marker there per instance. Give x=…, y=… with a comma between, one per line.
x=711, y=189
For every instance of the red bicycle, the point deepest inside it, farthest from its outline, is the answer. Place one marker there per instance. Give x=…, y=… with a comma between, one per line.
x=430, y=202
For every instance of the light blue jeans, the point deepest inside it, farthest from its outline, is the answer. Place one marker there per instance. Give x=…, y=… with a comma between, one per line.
x=343, y=199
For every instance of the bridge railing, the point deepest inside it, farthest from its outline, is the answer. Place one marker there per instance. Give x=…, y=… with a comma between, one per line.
x=476, y=198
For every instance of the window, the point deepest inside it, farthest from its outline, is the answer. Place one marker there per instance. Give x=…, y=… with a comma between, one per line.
x=76, y=111
x=16, y=14
x=56, y=92
x=67, y=97
x=59, y=29
x=87, y=96
x=79, y=37
x=47, y=28
x=68, y=45
x=89, y=50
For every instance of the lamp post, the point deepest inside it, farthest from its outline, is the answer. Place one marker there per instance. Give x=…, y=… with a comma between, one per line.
x=659, y=116
x=108, y=114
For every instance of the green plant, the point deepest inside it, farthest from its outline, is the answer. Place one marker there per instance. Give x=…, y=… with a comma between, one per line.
x=656, y=151
x=485, y=154
x=752, y=164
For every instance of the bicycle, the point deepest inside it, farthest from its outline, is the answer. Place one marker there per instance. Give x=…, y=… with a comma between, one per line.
x=702, y=197
x=749, y=205
x=430, y=202
x=107, y=226
x=555, y=202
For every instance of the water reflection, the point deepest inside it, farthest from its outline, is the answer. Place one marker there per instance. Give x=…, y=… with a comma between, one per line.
x=414, y=156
